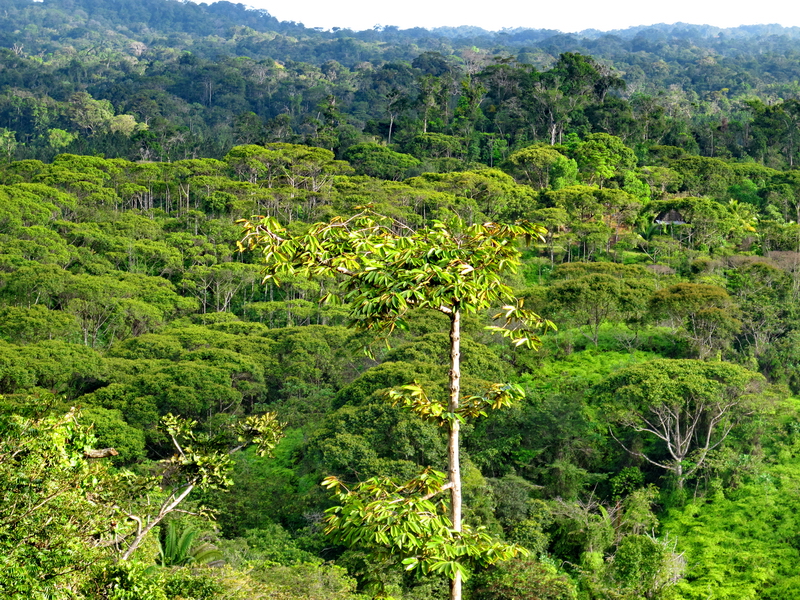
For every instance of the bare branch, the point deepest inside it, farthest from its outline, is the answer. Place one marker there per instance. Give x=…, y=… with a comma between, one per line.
x=638, y=454
x=447, y=486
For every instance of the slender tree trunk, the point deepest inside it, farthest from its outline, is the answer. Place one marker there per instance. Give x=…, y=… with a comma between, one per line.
x=454, y=466
x=165, y=510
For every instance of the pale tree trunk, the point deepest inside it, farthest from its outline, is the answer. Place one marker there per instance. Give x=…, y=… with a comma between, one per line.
x=454, y=467
x=142, y=530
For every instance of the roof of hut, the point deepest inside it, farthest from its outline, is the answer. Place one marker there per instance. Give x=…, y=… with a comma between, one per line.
x=670, y=217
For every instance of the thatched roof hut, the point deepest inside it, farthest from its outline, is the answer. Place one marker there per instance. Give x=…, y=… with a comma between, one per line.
x=670, y=217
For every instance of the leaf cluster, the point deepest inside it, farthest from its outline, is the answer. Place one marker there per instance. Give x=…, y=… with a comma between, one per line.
x=409, y=522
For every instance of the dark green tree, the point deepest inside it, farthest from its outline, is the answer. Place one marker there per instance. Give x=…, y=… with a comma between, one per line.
x=687, y=406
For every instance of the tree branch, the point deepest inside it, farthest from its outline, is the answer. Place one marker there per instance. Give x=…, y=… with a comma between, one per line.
x=638, y=454
x=445, y=487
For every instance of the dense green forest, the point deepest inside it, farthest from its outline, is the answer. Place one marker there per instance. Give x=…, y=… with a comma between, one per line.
x=168, y=415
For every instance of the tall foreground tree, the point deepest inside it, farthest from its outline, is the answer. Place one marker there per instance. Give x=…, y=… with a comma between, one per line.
x=386, y=269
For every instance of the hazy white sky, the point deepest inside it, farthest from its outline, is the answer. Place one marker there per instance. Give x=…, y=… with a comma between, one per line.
x=567, y=16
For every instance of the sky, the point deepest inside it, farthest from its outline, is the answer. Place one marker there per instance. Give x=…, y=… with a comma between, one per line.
x=567, y=16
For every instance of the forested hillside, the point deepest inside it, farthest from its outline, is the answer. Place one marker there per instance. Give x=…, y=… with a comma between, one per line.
x=164, y=80
x=168, y=415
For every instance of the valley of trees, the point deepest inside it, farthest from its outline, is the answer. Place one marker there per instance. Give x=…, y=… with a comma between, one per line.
x=305, y=315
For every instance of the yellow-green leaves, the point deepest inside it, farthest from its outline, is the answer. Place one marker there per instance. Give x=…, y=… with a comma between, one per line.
x=520, y=325
x=390, y=269
x=408, y=520
x=265, y=431
x=414, y=398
